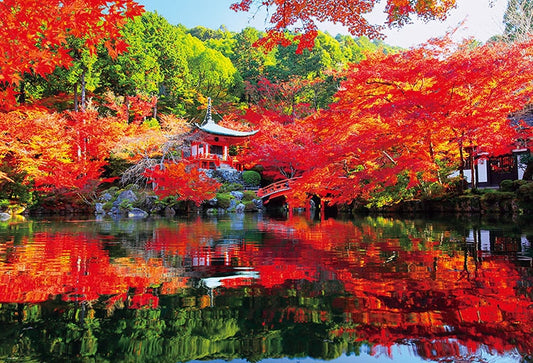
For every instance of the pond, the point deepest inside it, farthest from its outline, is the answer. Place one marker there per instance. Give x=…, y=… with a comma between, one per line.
x=252, y=288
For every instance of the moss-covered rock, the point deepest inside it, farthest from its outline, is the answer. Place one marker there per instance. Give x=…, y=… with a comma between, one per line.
x=224, y=200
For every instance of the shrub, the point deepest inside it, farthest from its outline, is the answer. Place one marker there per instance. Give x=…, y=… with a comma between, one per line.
x=507, y=186
x=249, y=206
x=230, y=187
x=248, y=196
x=496, y=202
x=4, y=203
x=525, y=196
x=251, y=178
x=224, y=200
x=496, y=197
x=511, y=185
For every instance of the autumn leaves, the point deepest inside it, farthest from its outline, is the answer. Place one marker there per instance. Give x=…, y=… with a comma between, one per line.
x=402, y=121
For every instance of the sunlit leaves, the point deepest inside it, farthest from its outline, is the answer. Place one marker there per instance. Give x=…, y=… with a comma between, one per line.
x=67, y=152
x=303, y=16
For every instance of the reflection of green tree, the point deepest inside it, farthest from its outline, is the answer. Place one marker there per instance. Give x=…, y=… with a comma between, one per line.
x=235, y=327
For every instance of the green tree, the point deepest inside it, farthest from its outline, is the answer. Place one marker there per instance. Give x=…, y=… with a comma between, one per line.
x=250, y=61
x=518, y=20
x=154, y=63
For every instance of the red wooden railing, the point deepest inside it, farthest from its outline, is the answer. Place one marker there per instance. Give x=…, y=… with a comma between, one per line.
x=204, y=161
x=275, y=188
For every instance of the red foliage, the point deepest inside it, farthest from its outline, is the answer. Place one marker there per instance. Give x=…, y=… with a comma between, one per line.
x=185, y=182
x=406, y=114
x=141, y=107
x=61, y=153
x=34, y=35
x=288, y=14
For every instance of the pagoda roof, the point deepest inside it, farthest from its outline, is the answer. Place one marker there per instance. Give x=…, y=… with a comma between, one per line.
x=209, y=126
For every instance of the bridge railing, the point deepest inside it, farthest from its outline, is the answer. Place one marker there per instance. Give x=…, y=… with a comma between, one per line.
x=276, y=187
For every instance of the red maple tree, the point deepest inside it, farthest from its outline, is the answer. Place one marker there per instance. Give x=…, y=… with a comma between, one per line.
x=183, y=181
x=34, y=35
x=407, y=116
x=302, y=16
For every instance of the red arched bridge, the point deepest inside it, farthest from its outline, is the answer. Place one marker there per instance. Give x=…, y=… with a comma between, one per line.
x=276, y=189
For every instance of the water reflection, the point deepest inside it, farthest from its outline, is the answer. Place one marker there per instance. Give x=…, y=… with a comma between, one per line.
x=248, y=287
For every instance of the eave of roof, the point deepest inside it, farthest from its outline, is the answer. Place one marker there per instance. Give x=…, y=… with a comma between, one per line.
x=212, y=128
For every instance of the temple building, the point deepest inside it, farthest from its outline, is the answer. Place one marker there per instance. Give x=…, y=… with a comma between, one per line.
x=210, y=148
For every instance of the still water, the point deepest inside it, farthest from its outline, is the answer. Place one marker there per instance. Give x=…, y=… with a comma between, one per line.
x=247, y=288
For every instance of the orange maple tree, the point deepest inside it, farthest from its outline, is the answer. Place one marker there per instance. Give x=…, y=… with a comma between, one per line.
x=302, y=16
x=34, y=35
x=66, y=153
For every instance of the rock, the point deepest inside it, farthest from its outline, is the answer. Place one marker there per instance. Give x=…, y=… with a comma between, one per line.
x=115, y=211
x=258, y=203
x=170, y=212
x=99, y=209
x=240, y=208
x=212, y=202
x=226, y=175
x=5, y=216
x=106, y=197
x=237, y=195
x=137, y=213
x=127, y=195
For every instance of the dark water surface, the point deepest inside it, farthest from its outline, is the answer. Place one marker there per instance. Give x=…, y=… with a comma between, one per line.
x=249, y=288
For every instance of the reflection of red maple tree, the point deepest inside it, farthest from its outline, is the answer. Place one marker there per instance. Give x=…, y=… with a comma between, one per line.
x=419, y=293
x=78, y=269
x=393, y=288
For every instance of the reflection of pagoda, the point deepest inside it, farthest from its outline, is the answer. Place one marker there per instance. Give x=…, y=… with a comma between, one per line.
x=211, y=148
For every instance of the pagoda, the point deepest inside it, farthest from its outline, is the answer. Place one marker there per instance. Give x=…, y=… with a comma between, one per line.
x=210, y=147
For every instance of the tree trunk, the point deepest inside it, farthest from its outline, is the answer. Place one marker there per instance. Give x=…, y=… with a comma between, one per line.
x=461, y=169
x=83, y=91
x=22, y=98
x=76, y=102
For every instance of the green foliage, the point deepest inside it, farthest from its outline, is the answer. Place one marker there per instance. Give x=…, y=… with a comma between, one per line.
x=512, y=185
x=251, y=178
x=4, y=203
x=230, y=187
x=152, y=123
x=224, y=200
x=496, y=196
x=249, y=206
x=525, y=197
x=392, y=194
x=18, y=190
x=497, y=202
x=183, y=66
x=249, y=195
x=506, y=186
